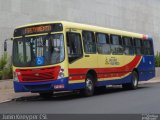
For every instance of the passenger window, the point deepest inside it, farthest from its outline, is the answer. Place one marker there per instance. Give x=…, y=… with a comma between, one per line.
x=89, y=42
x=116, y=45
x=128, y=47
x=147, y=47
x=74, y=46
x=138, y=46
x=103, y=46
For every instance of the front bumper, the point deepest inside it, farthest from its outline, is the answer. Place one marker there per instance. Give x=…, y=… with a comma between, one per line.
x=54, y=85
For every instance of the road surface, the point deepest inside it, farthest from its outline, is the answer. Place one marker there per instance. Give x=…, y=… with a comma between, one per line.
x=146, y=99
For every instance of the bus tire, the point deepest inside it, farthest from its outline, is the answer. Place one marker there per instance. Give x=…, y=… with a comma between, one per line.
x=46, y=95
x=89, y=86
x=134, y=82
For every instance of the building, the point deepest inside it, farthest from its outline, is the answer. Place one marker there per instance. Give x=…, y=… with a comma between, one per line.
x=140, y=16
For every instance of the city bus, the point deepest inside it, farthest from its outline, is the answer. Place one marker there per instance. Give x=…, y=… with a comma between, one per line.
x=59, y=56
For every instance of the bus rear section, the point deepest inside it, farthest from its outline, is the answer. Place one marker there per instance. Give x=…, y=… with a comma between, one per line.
x=147, y=64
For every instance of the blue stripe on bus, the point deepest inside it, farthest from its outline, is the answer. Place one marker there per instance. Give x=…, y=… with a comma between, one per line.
x=40, y=86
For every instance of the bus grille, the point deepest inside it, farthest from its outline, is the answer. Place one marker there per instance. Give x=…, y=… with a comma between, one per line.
x=34, y=75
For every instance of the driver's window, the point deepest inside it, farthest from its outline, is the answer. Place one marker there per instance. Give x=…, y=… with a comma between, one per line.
x=21, y=51
x=74, y=46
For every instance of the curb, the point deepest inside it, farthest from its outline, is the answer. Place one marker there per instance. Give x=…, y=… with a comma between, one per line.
x=5, y=101
x=149, y=82
x=154, y=80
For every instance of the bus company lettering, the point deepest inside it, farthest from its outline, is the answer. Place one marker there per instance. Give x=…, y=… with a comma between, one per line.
x=112, y=61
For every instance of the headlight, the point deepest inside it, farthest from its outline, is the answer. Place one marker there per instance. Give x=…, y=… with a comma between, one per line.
x=15, y=75
x=61, y=74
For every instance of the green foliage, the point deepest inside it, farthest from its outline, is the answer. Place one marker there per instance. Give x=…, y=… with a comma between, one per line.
x=0, y=74
x=5, y=67
x=157, y=59
x=3, y=61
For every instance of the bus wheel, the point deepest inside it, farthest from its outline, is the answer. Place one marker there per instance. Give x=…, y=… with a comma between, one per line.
x=46, y=95
x=89, y=86
x=134, y=82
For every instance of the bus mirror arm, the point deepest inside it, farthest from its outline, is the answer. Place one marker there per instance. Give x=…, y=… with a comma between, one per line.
x=5, y=44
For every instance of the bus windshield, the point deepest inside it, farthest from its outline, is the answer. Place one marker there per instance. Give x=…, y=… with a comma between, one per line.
x=38, y=50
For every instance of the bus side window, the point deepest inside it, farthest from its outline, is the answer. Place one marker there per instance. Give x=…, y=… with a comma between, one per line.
x=103, y=46
x=151, y=48
x=138, y=46
x=128, y=48
x=89, y=42
x=147, y=47
x=74, y=46
x=116, y=45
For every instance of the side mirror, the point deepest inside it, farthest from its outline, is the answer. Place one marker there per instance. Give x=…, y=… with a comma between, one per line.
x=5, y=44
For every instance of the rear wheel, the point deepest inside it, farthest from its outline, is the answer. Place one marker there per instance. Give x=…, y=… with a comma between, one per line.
x=46, y=95
x=89, y=86
x=134, y=82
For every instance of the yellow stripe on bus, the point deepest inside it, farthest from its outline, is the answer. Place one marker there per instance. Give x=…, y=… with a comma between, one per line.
x=76, y=81
x=114, y=78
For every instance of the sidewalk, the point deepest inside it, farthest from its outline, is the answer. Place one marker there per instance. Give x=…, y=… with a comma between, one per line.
x=154, y=80
x=7, y=92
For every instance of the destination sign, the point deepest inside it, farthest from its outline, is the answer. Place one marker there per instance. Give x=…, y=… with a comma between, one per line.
x=38, y=29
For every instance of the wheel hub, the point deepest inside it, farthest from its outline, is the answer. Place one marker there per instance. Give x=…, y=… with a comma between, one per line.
x=135, y=81
x=89, y=84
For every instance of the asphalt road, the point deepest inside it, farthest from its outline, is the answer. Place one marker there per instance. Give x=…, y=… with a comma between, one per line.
x=146, y=99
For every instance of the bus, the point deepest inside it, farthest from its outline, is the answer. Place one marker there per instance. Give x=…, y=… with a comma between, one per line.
x=59, y=56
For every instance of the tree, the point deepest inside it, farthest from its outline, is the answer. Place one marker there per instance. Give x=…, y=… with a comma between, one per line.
x=157, y=59
x=5, y=67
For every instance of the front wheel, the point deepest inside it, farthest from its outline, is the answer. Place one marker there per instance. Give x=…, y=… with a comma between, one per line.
x=89, y=86
x=134, y=82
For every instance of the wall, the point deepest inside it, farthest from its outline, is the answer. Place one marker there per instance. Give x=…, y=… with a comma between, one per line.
x=131, y=15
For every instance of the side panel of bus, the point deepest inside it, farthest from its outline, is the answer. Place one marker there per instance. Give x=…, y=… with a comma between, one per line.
x=78, y=67
x=109, y=68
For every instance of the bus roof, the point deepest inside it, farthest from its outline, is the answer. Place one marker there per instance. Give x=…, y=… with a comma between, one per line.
x=89, y=28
